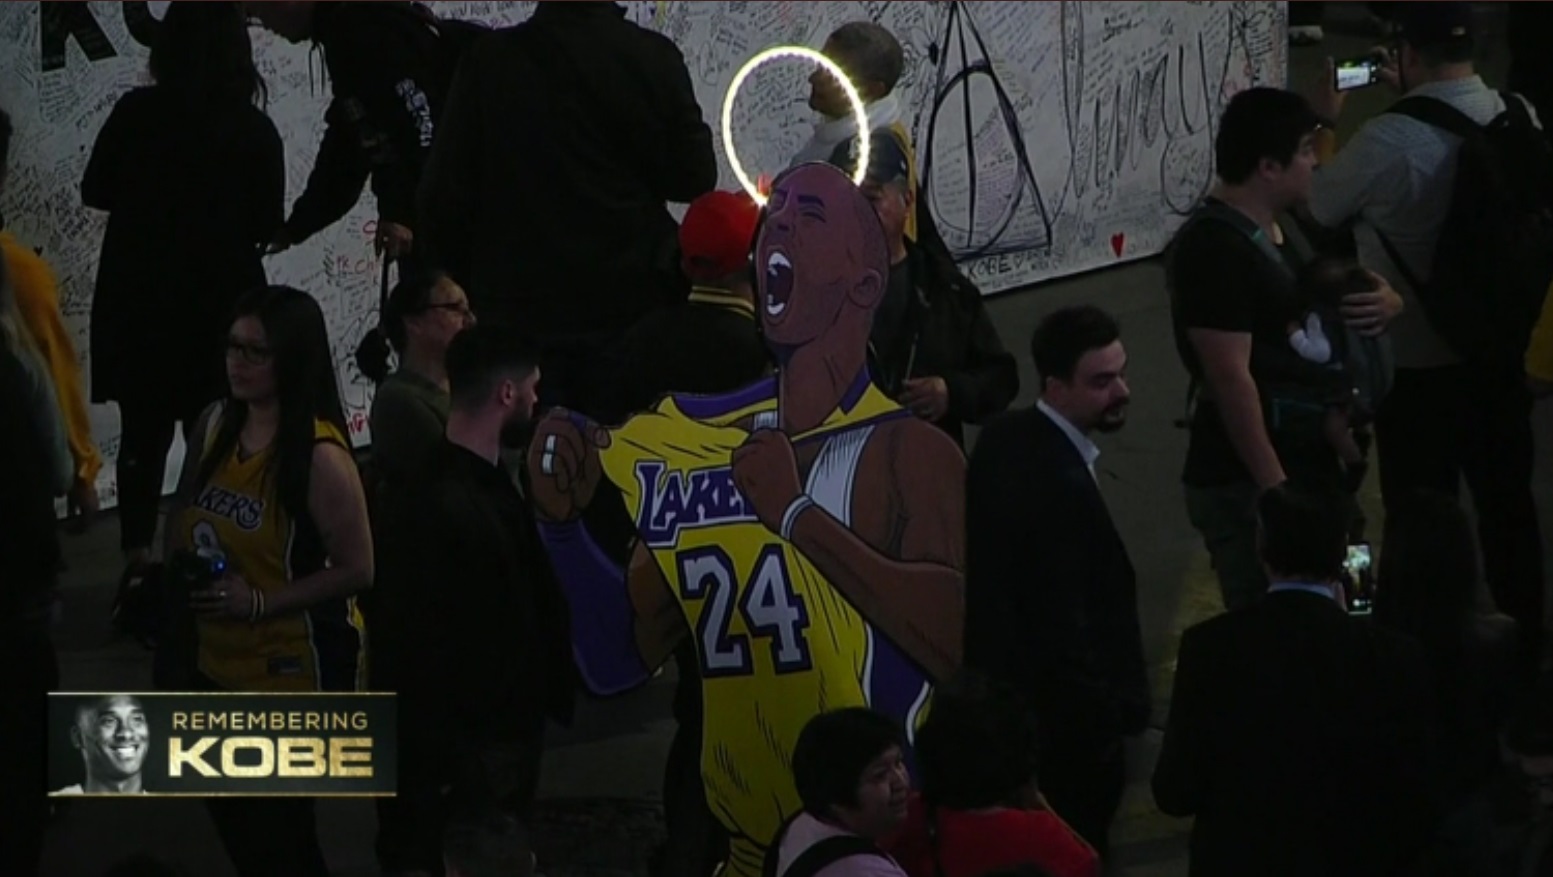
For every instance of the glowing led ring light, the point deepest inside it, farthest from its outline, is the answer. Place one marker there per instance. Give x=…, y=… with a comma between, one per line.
x=859, y=111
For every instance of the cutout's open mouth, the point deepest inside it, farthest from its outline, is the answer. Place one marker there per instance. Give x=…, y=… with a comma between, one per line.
x=779, y=283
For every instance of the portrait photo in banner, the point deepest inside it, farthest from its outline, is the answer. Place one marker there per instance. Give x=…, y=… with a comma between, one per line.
x=806, y=533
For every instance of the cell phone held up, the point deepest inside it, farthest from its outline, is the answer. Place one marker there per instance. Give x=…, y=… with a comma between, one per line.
x=1359, y=579
x=1357, y=72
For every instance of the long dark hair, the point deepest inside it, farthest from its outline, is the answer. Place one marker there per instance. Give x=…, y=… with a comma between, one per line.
x=1428, y=576
x=411, y=296
x=203, y=51
x=305, y=389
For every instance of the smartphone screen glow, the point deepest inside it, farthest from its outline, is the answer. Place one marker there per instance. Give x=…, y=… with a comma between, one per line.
x=1355, y=74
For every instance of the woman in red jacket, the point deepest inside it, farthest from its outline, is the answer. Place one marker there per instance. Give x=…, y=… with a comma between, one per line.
x=980, y=809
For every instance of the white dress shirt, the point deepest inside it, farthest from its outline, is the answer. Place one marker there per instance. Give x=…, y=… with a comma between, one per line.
x=1086, y=448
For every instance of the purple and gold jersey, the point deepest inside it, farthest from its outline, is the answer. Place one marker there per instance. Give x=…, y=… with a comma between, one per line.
x=778, y=644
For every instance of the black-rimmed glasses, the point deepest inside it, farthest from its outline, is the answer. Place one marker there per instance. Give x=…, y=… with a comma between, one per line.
x=253, y=354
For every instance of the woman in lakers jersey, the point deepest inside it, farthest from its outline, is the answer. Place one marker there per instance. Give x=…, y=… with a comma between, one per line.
x=272, y=493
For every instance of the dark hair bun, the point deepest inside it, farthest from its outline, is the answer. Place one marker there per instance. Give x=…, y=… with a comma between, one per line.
x=372, y=355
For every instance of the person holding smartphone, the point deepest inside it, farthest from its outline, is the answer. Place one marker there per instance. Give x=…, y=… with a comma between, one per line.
x=1455, y=412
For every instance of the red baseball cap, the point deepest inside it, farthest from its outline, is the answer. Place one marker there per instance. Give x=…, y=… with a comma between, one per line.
x=717, y=233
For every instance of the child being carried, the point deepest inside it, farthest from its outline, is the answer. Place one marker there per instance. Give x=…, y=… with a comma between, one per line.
x=1318, y=334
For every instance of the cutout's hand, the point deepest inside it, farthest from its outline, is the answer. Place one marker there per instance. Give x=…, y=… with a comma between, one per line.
x=564, y=464
x=765, y=469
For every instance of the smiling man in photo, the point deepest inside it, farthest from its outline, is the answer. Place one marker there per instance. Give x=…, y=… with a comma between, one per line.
x=113, y=736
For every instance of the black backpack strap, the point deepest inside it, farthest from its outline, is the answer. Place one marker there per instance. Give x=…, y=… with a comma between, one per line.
x=1298, y=239
x=828, y=852
x=1221, y=212
x=1516, y=108
x=811, y=861
x=1413, y=283
x=1438, y=114
x=1242, y=223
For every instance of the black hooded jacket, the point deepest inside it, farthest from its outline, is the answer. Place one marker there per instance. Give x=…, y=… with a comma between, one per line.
x=945, y=332
x=390, y=66
x=564, y=139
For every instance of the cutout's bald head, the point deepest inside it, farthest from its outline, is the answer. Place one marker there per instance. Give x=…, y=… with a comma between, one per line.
x=822, y=258
x=842, y=198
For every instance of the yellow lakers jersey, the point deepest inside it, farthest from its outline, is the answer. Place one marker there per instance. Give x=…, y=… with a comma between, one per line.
x=237, y=515
x=778, y=644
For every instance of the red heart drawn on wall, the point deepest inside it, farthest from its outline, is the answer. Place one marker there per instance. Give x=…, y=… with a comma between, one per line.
x=1118, y=241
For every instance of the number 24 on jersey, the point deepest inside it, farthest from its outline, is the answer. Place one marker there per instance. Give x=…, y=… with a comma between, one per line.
x=771, y=611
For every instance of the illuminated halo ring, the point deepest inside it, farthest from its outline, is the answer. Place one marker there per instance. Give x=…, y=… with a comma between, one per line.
x=859, y=111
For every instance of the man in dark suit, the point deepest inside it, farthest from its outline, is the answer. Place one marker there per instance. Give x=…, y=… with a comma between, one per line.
x=1051, y=603
x=1298, y=734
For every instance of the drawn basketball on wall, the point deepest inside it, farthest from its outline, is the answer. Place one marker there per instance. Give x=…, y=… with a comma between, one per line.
x=978, y=182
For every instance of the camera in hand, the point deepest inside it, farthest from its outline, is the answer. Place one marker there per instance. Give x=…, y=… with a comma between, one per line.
x=190, y=571
x=152, y=599
x=1359, y=72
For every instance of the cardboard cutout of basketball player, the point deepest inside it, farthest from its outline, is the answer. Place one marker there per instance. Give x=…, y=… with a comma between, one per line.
x=807, y=531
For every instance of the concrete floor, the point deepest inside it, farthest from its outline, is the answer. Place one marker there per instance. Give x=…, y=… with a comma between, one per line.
x=616, y=749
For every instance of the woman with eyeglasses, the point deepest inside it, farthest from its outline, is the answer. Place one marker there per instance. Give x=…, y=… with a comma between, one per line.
x=271, y=505
x=192, y=175
x=410, y=409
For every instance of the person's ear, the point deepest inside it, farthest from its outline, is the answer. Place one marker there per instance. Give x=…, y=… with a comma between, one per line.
x=75, y=737
x=869, y=290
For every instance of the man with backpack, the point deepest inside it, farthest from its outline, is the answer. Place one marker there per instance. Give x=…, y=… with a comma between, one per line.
x=390, y=66
x=1231, y=271
x=1450, y=193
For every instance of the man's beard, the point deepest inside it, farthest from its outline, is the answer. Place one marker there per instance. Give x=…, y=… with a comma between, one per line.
x=517, y=431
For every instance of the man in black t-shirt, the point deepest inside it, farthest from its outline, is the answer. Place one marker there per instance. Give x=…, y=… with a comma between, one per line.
x=1232, y=294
